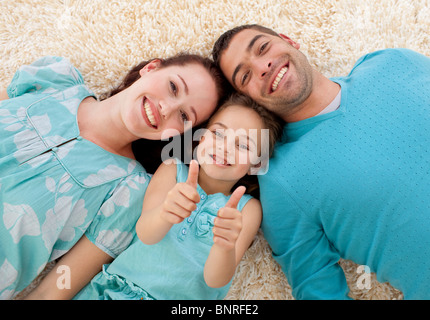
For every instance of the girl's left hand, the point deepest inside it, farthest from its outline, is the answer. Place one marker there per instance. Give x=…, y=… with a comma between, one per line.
x=228, y=223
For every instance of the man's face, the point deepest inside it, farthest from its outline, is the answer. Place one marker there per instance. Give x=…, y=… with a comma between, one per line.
x=269, y=69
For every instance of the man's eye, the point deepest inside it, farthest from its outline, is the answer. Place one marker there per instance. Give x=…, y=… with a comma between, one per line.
x=263, y=47
x=244, y=77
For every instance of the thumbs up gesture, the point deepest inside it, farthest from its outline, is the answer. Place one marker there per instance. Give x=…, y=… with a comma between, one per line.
x=182, y=199
x=228, y=223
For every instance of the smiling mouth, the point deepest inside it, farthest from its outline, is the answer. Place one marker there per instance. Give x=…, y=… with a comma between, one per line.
x=219, y=161
x=149, y=114
x=279, y=77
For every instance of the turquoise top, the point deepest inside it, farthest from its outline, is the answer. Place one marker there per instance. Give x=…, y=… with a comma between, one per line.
x=355, y=183
x=56, y=186
x=171, y=268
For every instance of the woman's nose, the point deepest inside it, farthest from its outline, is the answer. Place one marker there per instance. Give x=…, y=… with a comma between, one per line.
x=166, y=108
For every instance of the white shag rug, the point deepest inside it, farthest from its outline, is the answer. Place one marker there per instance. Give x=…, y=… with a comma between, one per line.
x=103, y=39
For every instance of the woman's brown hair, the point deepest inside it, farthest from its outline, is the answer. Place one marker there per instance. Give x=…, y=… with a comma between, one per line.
x=181, y=59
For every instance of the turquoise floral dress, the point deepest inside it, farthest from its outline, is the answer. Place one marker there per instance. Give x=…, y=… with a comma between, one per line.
x=56, y=186
x=170, y=269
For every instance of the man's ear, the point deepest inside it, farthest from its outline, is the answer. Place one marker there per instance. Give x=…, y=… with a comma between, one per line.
x=152, y=65
x=288, y=39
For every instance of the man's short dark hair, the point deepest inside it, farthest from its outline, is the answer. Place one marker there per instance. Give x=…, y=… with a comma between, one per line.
x=224, y=40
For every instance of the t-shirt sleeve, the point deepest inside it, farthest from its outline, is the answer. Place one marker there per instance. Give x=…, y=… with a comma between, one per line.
x=47, y=73
x=243, y=201
x=113, y=228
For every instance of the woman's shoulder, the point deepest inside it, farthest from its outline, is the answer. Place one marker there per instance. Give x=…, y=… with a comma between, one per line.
x=47, y=73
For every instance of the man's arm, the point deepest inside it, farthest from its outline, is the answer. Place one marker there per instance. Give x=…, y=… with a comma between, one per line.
x=301, y=247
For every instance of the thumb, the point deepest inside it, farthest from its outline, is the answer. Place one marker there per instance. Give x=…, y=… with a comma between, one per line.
x=193, y=174
x=235, y=197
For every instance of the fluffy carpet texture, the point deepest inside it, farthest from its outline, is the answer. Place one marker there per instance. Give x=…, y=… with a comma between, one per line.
x=103, y=39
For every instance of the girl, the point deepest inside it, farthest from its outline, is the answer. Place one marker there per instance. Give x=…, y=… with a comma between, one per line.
x=67, y=168
x=195, y=224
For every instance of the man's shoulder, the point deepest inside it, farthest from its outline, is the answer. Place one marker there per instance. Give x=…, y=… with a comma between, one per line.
x=278, y=168
x=387, y=56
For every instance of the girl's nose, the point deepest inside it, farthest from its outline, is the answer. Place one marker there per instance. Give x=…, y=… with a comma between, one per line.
x=229, y=142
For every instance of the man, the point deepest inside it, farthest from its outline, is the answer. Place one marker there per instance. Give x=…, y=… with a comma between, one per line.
x=351, y=177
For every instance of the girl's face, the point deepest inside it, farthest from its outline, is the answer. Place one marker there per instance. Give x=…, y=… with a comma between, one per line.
x=161, y=102
x=232, y=143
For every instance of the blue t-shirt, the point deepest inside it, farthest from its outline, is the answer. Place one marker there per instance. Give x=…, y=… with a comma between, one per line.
x=56, y=186
x=355, y=183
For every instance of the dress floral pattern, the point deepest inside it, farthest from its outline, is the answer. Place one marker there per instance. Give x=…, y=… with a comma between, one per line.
x=56, y=186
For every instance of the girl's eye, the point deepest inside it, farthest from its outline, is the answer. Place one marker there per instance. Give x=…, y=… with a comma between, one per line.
x=242, y=146
x=173, y=88
x=218, y=134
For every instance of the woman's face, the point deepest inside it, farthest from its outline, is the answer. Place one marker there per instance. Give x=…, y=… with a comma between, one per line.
x=166, y=101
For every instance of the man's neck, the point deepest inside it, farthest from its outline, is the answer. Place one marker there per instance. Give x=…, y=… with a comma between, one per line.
x=323, y=93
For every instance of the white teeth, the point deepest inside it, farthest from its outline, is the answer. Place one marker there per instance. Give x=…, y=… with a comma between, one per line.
x=149, y=114
x=279, y=77
x=219, y=160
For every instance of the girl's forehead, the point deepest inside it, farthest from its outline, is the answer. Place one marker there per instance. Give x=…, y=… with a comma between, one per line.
x=237, y=116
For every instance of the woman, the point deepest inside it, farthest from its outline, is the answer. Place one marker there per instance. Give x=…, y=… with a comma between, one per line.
x=67, y=169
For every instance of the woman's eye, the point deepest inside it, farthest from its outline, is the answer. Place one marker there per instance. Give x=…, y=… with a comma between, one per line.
x=173, y=88
x=184, y=116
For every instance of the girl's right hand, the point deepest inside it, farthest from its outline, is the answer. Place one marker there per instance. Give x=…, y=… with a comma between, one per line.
x=182, y=199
